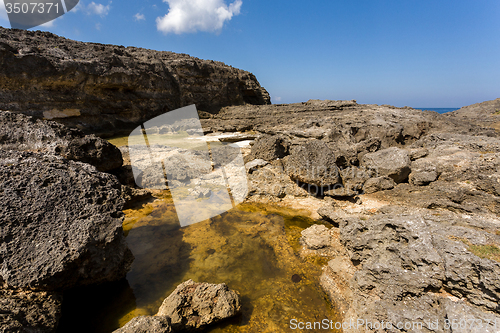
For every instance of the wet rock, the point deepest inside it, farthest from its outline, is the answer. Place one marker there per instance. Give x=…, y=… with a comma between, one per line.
x=28, y=311
x=61, y=223
x=134, y=195
x=147, y=324
x=20, y=132
x=392, y=162
x=376, y=184
x=109, y=88
x=313, y=163
x=269, y=148
x=195, y=305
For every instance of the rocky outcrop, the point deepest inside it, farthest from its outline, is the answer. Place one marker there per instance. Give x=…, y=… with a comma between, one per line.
x=106, y=88
x=419, y=266
x=61, y=223
x=190, y=307
x=21, y=132
x=486, y=114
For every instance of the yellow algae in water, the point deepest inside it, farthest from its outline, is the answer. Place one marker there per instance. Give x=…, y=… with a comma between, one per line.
x=248, y=248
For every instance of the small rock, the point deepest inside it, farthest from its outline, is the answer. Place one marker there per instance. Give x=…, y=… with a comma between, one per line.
x=316, y=237
x=147, y=324
x=195, y=305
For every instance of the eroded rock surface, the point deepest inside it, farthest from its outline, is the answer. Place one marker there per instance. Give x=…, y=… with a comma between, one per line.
x=28, y=311
x=107, y=88
x=61, y=223
x=190, y=307
x=21, y=132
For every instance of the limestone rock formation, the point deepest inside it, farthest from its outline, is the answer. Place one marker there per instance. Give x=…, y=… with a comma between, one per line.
x=195, y=305
x=147, y=324
x=106, y=88
x=313, y=163
x=486, y=114
x=391, y=162
x=61, y=223
x=21, y=132
x=190, y=307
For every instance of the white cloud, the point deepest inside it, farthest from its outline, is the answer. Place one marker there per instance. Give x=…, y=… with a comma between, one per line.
x=49, y=24
x=277, y=99
x=98, y=9
x=197, y=15
x=139, y=17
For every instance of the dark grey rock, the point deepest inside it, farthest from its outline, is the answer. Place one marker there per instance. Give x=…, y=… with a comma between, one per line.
x=194, y=305
x=61, y=223
x=107, y=88
x=20, y=132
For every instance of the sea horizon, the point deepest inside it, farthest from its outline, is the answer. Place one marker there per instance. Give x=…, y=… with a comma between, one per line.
x=438, y=110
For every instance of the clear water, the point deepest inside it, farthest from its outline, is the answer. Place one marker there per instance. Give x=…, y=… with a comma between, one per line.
x=438, y=110
x=252, y=248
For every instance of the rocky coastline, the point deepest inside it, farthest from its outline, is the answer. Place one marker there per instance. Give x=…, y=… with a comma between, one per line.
x=408, y=201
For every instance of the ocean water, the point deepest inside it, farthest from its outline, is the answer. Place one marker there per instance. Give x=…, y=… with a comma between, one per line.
x=438, y=110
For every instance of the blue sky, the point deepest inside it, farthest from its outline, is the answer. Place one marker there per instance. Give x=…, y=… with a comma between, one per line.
x=422, y=53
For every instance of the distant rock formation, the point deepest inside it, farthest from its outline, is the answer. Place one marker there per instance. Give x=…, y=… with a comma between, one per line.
x=485, y=114
x=104, y=89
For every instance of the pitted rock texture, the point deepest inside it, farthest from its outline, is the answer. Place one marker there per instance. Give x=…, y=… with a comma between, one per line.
x=147, y=324
x=21, y=132
x=107, y=88
x=61, y=223
x=28, y=311
x=195, y=305
x=421, y=266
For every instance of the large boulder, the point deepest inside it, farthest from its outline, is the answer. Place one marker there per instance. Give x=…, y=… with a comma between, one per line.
x=61, y=223
x=392, y=162
x=195, y=305
x=20, y=132
x=313, y=163
x=107, y=88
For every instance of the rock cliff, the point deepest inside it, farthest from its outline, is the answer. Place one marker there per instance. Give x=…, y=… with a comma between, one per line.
x=103, y=89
